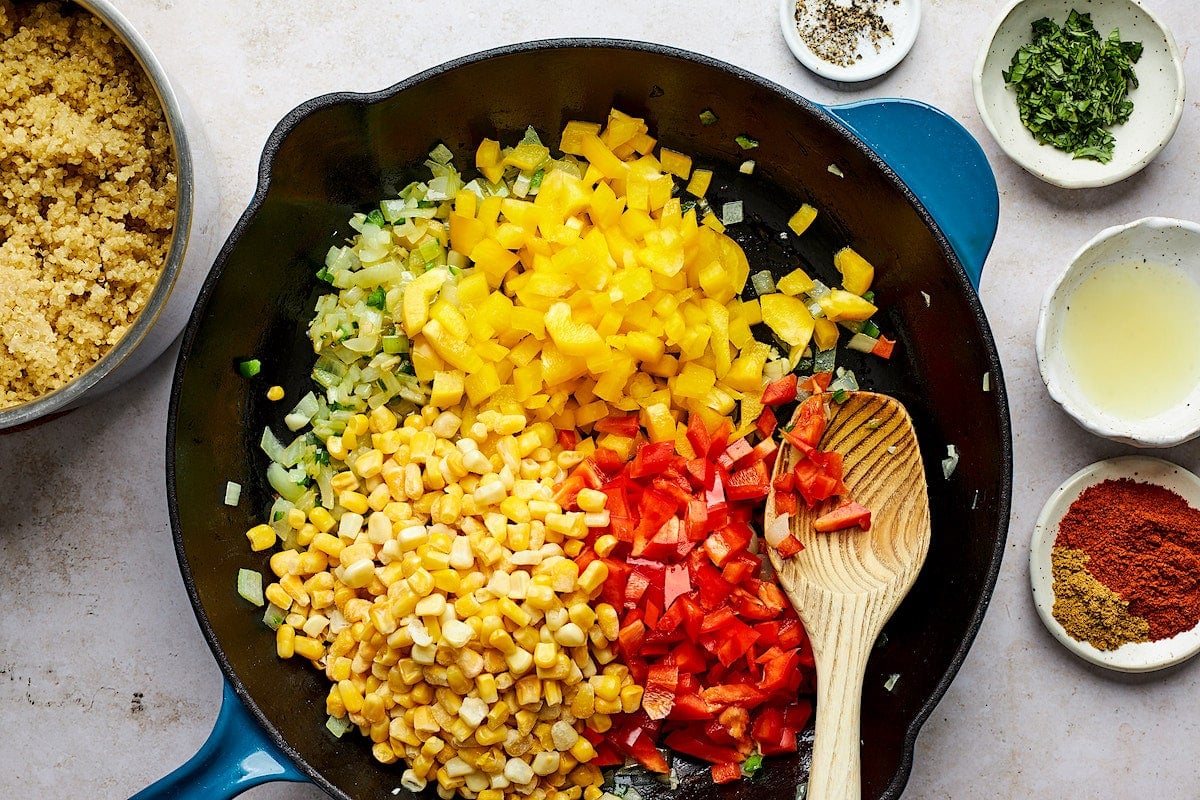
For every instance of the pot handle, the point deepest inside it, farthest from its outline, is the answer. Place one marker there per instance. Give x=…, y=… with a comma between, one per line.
x=237, y=756
x=941, y=163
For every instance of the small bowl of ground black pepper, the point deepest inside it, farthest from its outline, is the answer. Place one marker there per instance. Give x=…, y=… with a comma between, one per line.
x=850, y=40
x=1080, y=93
x=1115, y=564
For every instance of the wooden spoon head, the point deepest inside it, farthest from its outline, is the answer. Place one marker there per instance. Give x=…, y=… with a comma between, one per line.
x=884, y=472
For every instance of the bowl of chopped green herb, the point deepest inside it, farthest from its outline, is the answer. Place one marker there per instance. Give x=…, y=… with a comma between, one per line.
x=1080, y=93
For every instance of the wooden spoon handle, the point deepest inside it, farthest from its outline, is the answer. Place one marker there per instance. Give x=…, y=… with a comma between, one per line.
x=841, y=652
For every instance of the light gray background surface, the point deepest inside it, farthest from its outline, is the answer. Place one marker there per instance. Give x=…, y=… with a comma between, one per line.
x=105, y=681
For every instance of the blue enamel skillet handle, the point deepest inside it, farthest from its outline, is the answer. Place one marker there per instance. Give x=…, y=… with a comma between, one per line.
x=941, y=163
x=237, y=756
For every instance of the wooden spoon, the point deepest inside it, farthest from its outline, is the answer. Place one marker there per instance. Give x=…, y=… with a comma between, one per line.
x=845, y=585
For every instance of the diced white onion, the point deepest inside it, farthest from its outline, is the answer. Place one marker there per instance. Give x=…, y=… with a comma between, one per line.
x=779, y=529
x=950, y=461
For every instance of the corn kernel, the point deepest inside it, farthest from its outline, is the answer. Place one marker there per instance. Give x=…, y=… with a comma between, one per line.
x=262, y=537
x=309, y=648
x=285, y=641
x=631, y=698
x=591, y=499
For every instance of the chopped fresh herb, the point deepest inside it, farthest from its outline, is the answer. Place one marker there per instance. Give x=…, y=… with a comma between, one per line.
x=752, y=765
x=455, y=270
x=840, y=396
x=321, y=456
x=250, y=368
x=869, y=296
x=277, y=516
x=377, y=298
x=375, y=217
x=745, y=142
x=535, y=182
x=707, y=117
x=324, y=275
x=1072, y=85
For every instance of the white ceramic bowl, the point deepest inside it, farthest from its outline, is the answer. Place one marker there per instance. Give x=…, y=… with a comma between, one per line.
x=1171, y=242
x=1157, y=100
x=193, y=244
x=902, y=16
x=1133, y=657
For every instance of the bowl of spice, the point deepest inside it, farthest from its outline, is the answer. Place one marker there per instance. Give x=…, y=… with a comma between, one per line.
x=1115, y=564
x=1118, y=336
x=108, y=222
x=850, y=41
x=1080, y=94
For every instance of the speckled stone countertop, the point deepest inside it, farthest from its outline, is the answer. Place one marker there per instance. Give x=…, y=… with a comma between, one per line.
x=106, y=683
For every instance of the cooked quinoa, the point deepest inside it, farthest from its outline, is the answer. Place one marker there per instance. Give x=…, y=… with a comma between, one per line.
x=88, y=194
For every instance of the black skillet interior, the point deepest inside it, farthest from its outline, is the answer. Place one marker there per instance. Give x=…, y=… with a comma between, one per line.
x=342, y=153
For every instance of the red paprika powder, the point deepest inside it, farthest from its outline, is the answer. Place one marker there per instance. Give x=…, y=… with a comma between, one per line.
x=1143, y=542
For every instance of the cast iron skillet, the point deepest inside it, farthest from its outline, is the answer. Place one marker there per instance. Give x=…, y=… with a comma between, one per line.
x=341, y=153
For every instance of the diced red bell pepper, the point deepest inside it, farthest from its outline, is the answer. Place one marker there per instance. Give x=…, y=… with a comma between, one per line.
x=883, y=347
x=736, y=720
x=692, y=743
x=766, y=423
x=565, y=492
x=786, y=502
x=723, y=617
x=819, y=476
x=655, y=508
x=727, y=542
x=789, y=545
x=781, y=674
x=791, y=633
x=607, y=460
x=739, y=567
x=733, y=694
x=811, y=420
x=690, y=706
x=652, y=458
x=730, y=642
x=720, y=437
x=780, y=391
x=689, y=657
x=735, y=452
x=619, y=426
x=726, y=771
x=817, y=382
x=662, y=681
x=635, y=589
x=796, y=715
x=848, y=515
x=698, y=436
x=772, y=596
x=630, y=638
x=749, y=482
x=677, y=581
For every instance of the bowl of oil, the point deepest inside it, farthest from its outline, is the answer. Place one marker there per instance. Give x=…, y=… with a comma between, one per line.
x=1118, y=337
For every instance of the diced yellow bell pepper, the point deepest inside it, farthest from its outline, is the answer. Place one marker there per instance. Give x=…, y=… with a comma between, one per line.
x=825, y=333
x=453, y=322
x=447, y=389
x=675, y=163
x=788, y=318
x=698, y=185
x=857, y=272
x=455, y=352
x=481, y=384
x=745, y=374
x=693, y=381
x=573, y=133
x=417, y=297
x=488, y=160
x=658, y=422
x=803, y=217
x=840, y=305
x=795, y=283
x=527, y=156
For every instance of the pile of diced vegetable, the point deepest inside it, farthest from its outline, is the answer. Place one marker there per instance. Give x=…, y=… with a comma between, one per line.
x=517, y=521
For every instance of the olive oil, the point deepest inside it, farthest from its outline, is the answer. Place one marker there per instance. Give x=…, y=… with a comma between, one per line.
x=1131, y=335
